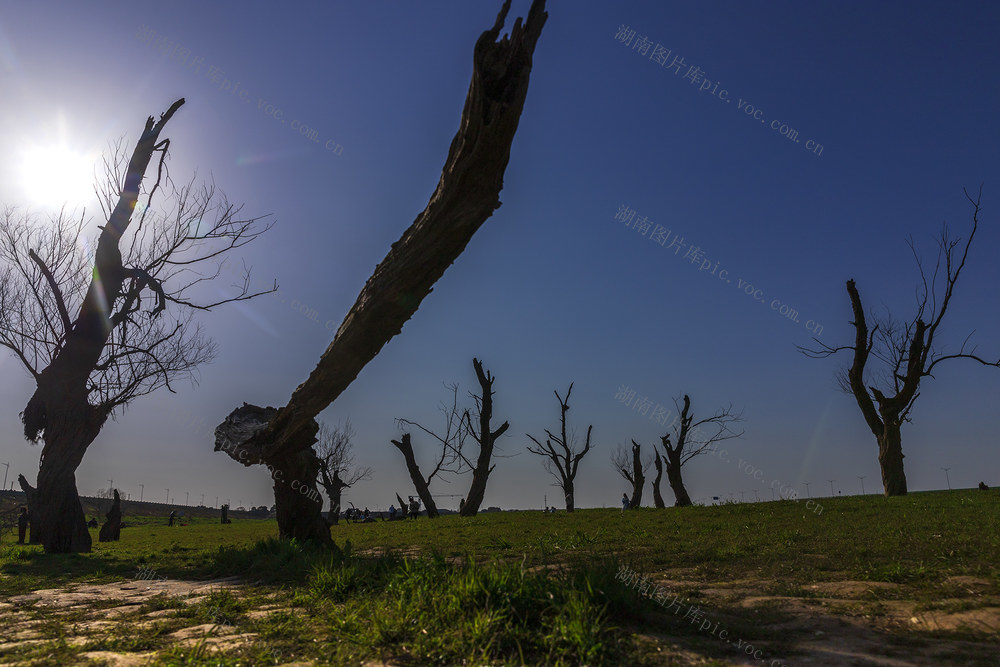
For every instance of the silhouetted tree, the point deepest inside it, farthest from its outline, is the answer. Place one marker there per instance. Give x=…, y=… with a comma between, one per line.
x=657, y=496
x=562, y=459
x=905, y=352
x=336, y=464
x=691, y=442
x=466, y=196
x=88, y=367
x=633, y=469
x=112, y=528
x=485, y=438
x=31, y=494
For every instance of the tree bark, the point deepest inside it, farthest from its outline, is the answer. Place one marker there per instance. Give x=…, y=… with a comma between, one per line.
x=568, y=493
x=298, y=503
x=31, y=494
x=681, y=497
x=890, y=459
x=111, y=530
x=486, y=440
x=419, y=483
x=657, y=496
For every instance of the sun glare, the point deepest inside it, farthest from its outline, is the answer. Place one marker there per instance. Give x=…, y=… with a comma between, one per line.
x=56, y=175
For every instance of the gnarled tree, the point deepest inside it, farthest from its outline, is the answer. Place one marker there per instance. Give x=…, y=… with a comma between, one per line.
x=632, y=469
x=466, y=196
x=904, y=352
x=89, y=365
x=561, y=452
x=692, y=441
x=336, y=464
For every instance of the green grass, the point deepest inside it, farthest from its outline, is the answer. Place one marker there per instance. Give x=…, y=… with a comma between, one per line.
x=526, y=587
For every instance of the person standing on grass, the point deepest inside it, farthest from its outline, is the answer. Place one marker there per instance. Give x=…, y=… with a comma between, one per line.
x=22, y=524
x=624, y=502
x=171, y=518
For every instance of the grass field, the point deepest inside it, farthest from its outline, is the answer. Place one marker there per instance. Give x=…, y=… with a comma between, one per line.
x=870, y=580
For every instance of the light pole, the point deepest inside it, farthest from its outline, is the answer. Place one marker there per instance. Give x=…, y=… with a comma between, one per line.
x=203, y=500
x=806, y=484
x=187, y=495
x=831, y=487
x=111, y=487
x=946, y=477
x=5, y=475
x=168, y=496
x=142, y=489
x=862, y=478
x=217, y=502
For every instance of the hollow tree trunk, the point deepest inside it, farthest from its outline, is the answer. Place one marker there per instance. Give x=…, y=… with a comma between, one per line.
x=31, y=494
x=681, y=497
x=419, y=483
x=890, y=459
x=568, y=493
x=657, y=496
x=298, y=503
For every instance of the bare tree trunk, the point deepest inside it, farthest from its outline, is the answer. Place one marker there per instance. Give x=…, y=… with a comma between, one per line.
x=890, y=459
x=419, y=483
x=657, y=497
x=298, y=503
x=568, y=493
x=486, y=439
x=638, y=477
x=111, y=530
x=35, y=535
x=681, y=497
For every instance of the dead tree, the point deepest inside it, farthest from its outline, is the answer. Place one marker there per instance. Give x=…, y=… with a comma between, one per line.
x=452, y=444
x=31, y=495
x=336, y=465
x=632, y=469
x=466, y=196
x=89, y=366
x=485, y=438
x=657, y=496
x=562, y=458
x=693, y=441
x=904, y=351
x=112, y=528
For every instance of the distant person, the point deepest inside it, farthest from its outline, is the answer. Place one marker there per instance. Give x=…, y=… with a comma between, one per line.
x=392, y=512
x=983, y=487
x=92, y=523
x=624, y=502
x=22, y=524
x=367, y=514
x=172, y=518
x=414, y=508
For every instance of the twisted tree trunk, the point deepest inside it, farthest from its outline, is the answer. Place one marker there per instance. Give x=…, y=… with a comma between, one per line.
x=486, y=440
x=466, y=196
x=681, y=497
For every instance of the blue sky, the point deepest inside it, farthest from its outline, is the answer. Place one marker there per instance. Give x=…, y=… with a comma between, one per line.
x=902, y=97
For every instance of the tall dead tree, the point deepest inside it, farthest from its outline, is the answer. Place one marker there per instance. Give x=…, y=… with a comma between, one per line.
x=692, y=441
x=657, y=496
x=336, y=465
x=485, y=438
x=562, y=457
x=466, y=196
x=88, y=367
x=904, y=351
x=632, y=469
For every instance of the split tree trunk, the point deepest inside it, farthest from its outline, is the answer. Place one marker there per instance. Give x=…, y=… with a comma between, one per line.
x=466, y=196
x=657, y=496
x=638, y=477
x=681, y=497
x=419, y=483
x=298, y=503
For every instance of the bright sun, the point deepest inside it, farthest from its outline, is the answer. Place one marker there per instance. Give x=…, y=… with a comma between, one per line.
x=55, y=175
